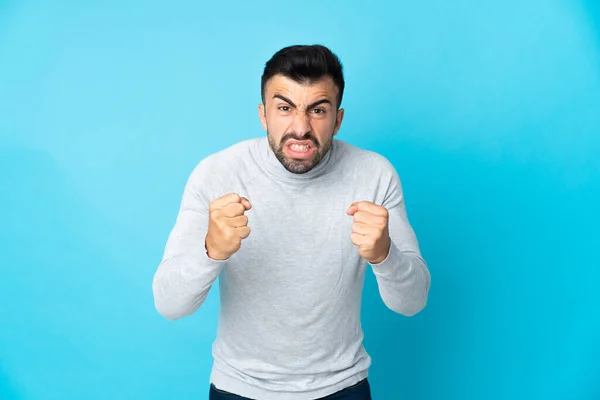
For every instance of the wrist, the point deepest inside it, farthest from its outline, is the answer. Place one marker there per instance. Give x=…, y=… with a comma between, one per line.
x=384, y=255
x=211, y=252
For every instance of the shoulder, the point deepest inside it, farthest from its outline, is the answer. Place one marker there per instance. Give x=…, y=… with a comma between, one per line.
x=231, y=155
x=374, y=173
x=212, y=174
x=222, y=162
x=366, y=162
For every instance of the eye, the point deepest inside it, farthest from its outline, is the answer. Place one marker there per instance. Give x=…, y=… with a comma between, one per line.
x=284, y=108
x=318, y=111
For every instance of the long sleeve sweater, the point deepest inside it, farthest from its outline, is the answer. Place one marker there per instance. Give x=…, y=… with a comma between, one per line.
x=289, y=324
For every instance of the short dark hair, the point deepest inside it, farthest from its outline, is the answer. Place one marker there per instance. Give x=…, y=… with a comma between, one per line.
x=305, y=63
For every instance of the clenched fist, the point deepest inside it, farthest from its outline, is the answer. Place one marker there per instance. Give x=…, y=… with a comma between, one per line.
x=227, y=226
x=370, y=230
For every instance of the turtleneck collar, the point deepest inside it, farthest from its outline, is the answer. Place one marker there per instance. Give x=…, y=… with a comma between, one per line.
x=268, y=160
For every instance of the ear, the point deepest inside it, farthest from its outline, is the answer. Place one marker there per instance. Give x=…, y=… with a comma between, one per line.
x=338, y=121
x=262, y=116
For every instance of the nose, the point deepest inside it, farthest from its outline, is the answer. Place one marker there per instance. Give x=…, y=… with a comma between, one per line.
x=300, y=124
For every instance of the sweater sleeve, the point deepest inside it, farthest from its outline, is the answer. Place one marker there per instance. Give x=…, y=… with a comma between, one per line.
x=402, y=277
x=186, y=272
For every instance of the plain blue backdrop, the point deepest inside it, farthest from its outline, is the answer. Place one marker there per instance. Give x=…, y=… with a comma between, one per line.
x=490, y=112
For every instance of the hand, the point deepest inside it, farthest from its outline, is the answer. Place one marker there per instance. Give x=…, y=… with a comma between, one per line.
x=370, y=230
x=227, y=226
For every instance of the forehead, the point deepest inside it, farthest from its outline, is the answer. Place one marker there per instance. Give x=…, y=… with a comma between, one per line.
x=322, y=88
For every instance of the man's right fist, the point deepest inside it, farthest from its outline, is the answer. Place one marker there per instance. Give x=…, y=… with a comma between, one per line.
x=227, y=226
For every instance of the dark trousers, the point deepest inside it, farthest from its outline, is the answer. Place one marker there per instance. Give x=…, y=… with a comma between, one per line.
x=359, y=391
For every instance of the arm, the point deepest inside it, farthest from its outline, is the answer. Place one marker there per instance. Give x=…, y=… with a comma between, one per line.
x=402, y=277
x=186, y=273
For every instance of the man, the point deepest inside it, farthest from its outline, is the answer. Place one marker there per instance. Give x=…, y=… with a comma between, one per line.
x=289, y=223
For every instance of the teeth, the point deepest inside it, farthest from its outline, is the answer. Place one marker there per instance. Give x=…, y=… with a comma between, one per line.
x=297, y=147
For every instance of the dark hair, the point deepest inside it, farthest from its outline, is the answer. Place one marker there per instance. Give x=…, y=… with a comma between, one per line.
x=304, y=63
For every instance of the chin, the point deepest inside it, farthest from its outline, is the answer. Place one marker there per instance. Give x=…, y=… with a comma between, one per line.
x=298, y=167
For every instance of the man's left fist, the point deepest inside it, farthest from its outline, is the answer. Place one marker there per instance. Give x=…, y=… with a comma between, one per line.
x=370, y=230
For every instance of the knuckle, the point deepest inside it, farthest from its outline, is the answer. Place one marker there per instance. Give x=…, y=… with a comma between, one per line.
x=244, y=233
x=219, y=222
x=228, y=235
x=231, y=198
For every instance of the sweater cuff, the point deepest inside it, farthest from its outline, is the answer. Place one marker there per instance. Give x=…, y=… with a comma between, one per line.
x=207, y=258
x=391, y=260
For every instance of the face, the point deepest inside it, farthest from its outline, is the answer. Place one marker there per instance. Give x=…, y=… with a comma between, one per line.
x=301, y=120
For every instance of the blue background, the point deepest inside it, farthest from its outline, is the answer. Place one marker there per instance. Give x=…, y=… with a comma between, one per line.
x=489, y=110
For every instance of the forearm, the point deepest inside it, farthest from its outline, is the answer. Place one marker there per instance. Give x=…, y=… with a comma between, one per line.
x=181, y=283
x=403, y=280
x=186, y=272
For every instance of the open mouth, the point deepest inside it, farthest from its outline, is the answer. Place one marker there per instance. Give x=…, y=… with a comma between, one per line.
x=300, y=150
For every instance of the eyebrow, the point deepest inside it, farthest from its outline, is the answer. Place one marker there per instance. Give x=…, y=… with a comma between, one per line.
x=316, y=103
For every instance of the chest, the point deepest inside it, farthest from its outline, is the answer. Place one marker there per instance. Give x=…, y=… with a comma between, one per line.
x=299, y=233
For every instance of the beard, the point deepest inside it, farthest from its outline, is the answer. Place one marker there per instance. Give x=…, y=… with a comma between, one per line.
x=297, y=166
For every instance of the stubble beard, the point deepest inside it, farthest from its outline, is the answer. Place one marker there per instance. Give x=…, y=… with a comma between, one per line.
x=296, y=166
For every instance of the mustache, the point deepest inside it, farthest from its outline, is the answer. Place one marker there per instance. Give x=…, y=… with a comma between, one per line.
x=306, y=136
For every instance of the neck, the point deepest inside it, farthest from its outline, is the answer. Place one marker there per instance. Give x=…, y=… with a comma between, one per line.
x=275, y=167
